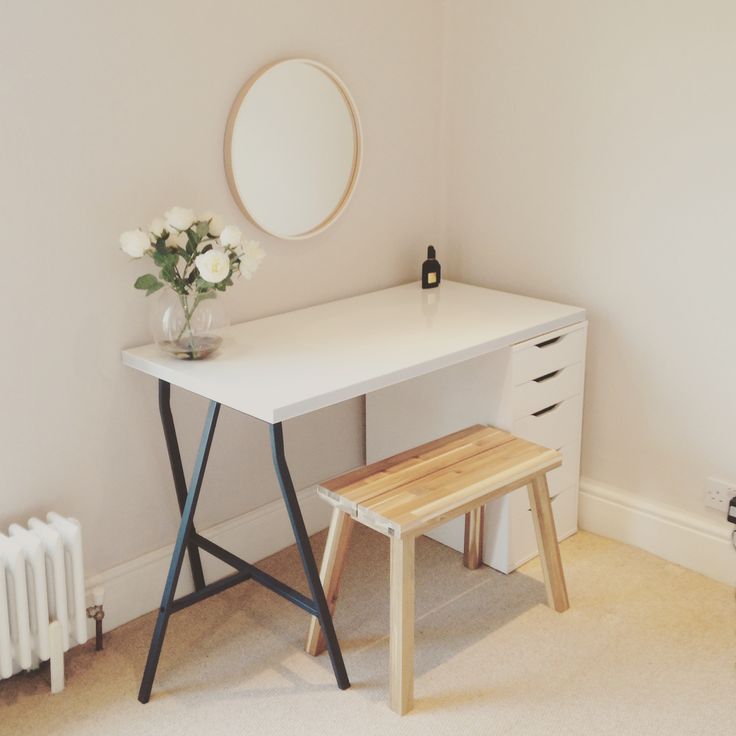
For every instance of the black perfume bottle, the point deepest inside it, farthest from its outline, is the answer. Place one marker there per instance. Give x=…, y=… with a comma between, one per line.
x=431, y=270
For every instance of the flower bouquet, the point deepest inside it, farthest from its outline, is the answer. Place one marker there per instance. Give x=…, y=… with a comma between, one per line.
x=197, y=258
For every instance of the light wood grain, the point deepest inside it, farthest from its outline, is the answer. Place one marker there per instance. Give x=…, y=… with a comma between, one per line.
x=401, y=639
x=333, y=562
x=368, y=481
x=549, y=551
x=414, y=491
x=473, y=548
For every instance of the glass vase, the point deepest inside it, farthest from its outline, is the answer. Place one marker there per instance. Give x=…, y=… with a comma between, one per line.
x=186, y=325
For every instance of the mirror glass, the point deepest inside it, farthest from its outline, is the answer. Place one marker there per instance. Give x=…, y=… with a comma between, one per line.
x=293, y=148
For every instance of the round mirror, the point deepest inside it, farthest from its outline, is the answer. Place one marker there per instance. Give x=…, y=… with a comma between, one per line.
x=293, y=148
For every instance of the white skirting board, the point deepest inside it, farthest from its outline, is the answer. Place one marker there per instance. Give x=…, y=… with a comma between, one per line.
x=134, y=588
x=673, y=534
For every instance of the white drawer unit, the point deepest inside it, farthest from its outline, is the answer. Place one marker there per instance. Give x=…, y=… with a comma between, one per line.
x=559, y=480
x=512, y=540
x=568, y=473
x=545, y=397
x=533, y=389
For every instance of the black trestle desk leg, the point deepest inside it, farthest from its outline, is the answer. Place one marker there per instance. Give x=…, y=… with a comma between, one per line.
x=177, y=471
x=182, y=542
x=305, y=552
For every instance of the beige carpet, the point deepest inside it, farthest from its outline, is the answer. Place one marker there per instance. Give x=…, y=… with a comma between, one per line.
x=647, y=648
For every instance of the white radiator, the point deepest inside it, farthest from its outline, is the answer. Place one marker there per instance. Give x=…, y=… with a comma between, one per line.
x=42, y=600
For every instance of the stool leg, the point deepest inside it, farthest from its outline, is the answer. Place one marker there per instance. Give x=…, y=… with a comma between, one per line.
x=473, y=550
x=549, y=550
x=333, y=562
x=401, y=640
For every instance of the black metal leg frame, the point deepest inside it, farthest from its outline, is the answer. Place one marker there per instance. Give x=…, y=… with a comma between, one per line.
x=189, y=541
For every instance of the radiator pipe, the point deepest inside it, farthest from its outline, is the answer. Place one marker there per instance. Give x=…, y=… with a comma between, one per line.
x=97, y=612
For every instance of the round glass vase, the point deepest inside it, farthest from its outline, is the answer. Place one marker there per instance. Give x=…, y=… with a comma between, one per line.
x=186, y=325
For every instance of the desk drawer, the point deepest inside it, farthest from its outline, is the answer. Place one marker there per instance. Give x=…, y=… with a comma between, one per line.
x=524, y=538
x=547, y=390
x=567, y=476
x=553, y=426
x=547, y=354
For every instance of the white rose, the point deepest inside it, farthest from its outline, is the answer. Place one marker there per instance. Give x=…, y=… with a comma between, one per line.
x=157, y=227
x=213, y=266
x=179, y=218
x=231, y=235
x=251, y=258
x=134, y=243
x=215, y=221
x=175, y=239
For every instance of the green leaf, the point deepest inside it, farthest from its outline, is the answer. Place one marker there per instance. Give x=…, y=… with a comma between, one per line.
x=202, y=228
x=192, y=241
x=148, y=283
x=166, y=258
x=168, y=273
x=145, y=282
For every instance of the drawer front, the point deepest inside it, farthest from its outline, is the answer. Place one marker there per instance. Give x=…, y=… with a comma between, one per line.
x=547, y=389
x=567, y=476
x=524, y=538
x=554, y=426
x=547, y=354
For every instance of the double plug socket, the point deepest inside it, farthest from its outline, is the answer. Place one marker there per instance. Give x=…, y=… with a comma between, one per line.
x=718, y=494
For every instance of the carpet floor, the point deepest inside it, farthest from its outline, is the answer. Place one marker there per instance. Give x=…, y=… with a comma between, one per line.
x=646, y=648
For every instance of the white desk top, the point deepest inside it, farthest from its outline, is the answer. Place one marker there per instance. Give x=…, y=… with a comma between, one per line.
x=290, y=364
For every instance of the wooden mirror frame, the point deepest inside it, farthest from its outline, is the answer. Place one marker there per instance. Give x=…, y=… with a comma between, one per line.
x=357, y=149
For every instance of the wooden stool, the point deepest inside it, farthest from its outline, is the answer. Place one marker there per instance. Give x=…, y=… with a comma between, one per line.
x=408, y=494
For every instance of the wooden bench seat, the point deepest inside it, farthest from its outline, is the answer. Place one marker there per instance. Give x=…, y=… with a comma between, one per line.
x=410, y=493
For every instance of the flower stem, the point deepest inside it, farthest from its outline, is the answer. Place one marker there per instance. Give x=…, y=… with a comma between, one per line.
x=187, y=317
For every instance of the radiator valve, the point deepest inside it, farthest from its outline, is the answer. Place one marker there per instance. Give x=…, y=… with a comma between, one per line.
x=97, y=612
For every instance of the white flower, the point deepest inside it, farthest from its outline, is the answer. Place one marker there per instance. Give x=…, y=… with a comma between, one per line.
x=215, y=221
x=231, y=235
x=157, y=227
x=179, y=218
x=135, y=243
x=213, y=266
x=251, y=258
x=175, y=239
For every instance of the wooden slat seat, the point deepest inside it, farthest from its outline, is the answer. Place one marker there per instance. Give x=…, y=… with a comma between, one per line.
x=424, y=487
x=410, y=493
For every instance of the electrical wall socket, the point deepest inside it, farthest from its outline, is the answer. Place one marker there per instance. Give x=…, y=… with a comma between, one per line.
x=718, y=493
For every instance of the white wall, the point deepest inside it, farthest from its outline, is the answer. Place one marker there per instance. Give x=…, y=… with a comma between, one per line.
x=587, y=156
x=591, y=159
x=111, y=113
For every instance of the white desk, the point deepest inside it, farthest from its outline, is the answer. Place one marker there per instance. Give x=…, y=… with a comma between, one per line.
x=291, y=364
